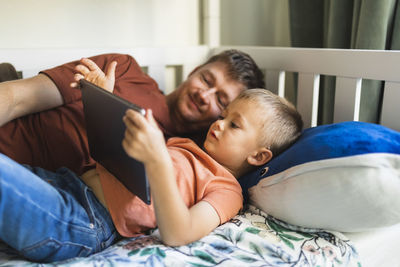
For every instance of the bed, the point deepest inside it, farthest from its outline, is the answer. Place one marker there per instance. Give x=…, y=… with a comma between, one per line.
x=254, y=237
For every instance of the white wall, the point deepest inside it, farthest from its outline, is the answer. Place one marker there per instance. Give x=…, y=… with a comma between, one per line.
x=129, y=23
x=126, y=23
x=259, y=23
x=255, y=22
x=98, y=23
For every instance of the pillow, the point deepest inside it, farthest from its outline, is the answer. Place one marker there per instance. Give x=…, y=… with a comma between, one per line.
x=342, y=177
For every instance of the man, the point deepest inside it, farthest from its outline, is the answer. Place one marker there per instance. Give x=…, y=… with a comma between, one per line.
x=42, y=117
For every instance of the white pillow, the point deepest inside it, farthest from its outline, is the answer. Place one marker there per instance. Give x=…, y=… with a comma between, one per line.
x=346, y=194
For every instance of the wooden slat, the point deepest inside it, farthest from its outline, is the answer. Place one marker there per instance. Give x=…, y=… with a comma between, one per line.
x=30, y=61
x=347, y=99
x=307, y=104
x=390, y=115
x=275, y=82
x=157, y=72
x=211, y=22
x=367, y=64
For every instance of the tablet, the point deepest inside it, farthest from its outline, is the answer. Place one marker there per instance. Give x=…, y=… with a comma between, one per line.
x=105, y=131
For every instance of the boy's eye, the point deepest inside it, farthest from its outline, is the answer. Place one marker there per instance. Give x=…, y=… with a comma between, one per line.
x=234, y=125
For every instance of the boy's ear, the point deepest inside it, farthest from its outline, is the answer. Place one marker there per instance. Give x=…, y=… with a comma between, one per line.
x=260, y=157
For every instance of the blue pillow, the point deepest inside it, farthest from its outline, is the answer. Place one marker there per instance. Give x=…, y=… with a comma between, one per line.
x=329, y=161
x=327, y=142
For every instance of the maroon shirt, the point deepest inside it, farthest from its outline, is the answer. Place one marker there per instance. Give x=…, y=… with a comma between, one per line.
x=57, y=137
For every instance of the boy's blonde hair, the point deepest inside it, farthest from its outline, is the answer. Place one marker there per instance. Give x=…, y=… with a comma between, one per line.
x=281, y=122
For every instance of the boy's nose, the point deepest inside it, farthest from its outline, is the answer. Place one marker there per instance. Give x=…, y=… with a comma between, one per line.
x=219, y=124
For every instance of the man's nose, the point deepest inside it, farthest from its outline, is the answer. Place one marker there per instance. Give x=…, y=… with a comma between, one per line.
x=205, y=94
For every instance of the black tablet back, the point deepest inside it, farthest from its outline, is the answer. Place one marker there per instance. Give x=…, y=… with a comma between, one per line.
x=105, y=131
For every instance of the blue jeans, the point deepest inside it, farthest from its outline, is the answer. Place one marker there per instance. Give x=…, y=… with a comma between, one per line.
x=50, y=216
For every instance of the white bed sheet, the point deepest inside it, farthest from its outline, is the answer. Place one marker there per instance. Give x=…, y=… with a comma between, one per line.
x=379, y=247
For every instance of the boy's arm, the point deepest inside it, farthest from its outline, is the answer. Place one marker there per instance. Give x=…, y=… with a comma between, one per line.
x=26, y=96
x=178, y=225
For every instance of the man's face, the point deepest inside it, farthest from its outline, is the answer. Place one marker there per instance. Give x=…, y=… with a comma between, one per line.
x=203, y=96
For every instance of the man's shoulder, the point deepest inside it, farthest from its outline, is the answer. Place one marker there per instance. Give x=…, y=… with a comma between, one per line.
x=120, y=58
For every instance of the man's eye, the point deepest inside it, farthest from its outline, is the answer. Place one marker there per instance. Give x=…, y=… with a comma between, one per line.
x=222, y=101
x=203, y=77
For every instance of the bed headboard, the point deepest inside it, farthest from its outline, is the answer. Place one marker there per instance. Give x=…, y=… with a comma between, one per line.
x=155, y=60
x=349, y=67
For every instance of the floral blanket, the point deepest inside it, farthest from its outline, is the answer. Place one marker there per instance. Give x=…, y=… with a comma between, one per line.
x=252, y=238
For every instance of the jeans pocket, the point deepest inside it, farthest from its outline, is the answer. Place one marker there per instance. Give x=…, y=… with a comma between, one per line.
x=50, y=250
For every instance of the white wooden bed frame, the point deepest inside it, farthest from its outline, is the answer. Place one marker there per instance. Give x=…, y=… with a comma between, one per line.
x=349, y=66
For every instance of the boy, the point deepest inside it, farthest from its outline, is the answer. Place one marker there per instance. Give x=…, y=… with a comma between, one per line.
x=254, y=127
x=193, y=191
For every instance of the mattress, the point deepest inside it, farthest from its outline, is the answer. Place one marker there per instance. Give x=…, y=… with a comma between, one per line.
x=379, y=247
x=252, y=238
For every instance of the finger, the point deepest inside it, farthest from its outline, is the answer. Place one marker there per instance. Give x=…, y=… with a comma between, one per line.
x=73, y=84
x=130, y=125
x=111, y=70
x=150, y=118
x=90, y=64
x=128, y=144
x=127, y=148
x=82, y=69
x=136, y=118
x=128, y=136
x=78, y=77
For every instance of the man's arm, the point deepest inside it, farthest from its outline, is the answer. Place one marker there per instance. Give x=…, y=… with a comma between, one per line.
x=26, y=96
x=178, y=224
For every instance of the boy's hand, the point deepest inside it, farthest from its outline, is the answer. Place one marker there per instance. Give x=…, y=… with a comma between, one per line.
x=89, y=71
x=143, y=139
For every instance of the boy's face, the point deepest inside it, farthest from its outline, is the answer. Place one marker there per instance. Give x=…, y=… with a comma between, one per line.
x=232, y=138
x=204, y=95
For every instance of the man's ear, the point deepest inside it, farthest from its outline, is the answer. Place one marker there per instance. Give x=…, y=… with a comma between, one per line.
x=260, y=157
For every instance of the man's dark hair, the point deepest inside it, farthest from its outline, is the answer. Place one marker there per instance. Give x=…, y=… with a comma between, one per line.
x=240, y=67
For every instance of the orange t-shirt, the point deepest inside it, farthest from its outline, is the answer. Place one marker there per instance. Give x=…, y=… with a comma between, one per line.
x=198, y=176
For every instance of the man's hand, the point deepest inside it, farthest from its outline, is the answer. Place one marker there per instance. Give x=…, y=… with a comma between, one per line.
x=89, y=71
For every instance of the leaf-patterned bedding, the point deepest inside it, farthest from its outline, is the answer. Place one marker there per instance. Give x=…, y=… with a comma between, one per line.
x=252, y=238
